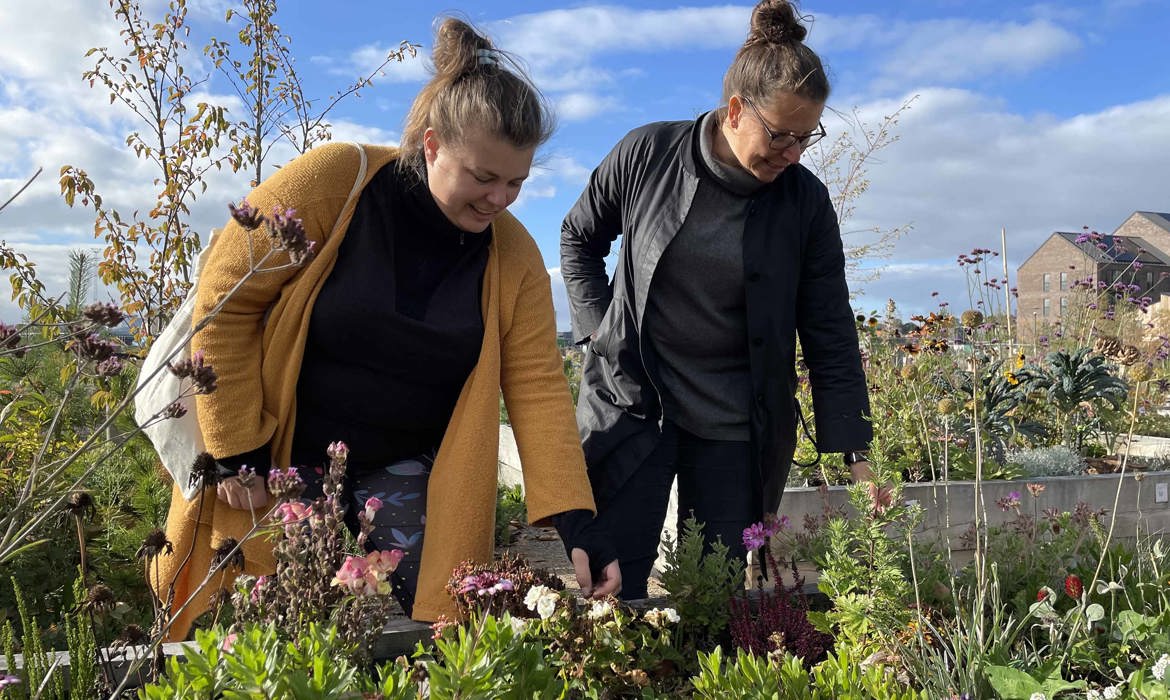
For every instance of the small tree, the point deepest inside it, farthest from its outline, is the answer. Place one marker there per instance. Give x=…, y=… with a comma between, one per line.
x=842, y=165
x=271, y=90
x=182, y=140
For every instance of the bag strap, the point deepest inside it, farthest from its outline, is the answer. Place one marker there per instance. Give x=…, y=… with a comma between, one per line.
x=361, y=174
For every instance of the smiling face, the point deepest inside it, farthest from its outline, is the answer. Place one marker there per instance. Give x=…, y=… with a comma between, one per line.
x=747, y=141
x=473, y=181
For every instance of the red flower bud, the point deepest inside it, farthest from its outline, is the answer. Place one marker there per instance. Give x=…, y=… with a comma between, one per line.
x=1041, y=594
x=1073, y=586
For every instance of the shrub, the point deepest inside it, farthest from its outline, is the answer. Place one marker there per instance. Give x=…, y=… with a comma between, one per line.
x=1058, y=460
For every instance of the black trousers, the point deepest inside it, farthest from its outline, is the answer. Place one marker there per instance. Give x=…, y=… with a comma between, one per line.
x=716, y=484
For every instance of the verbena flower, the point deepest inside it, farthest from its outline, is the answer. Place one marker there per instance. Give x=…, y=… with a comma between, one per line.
x=201, y=374
x=104, y=314
x=285, y=484
x=246, y=215
x=7, y=680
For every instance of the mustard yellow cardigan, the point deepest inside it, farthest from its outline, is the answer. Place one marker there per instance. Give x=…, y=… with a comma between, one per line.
x=257, y=354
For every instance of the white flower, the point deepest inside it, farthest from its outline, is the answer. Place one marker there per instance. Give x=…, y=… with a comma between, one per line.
x=543, y=600
x=1160, y=667
x=600, y=609
x=1113, y=692
x=658, y=617
x=519, y=625
x=1093, y=694
x=1038, y=696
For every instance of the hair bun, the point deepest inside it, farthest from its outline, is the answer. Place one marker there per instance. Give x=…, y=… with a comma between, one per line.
x=457, y=47
x=776, y=22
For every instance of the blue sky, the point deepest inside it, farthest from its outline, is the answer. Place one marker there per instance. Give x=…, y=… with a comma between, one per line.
x=1034, y=117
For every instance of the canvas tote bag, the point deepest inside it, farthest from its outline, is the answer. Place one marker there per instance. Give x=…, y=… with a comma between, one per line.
x=178, y=440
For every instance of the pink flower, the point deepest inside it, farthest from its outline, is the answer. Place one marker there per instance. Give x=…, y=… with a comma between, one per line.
x=260, y=583
x=294, y=514
x=384, y=562
x=228, y=642
x=755, y=536
x=352, y=575
x=373, y=505
x=337, y=450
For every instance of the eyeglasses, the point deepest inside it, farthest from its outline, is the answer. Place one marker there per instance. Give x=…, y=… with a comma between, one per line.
x=781, y=140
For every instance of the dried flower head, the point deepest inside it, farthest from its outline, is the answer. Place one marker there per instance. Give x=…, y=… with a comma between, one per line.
x=99, y=599
x=103, y=314
x=204, y=471
x=174, y=410
x=1141, y=372
x=133, y=635
x=80, y=504
x=947, y=407
x=228, y=553
x=971, y=319
x=155, y=544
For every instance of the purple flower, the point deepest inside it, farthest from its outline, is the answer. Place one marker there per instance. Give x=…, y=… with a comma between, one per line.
x=755, y=536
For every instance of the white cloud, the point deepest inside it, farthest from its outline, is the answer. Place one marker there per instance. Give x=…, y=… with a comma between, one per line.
x=579, y=106
x=965, y=166
x=411, y=69
x=574, y=35
x=950, y=51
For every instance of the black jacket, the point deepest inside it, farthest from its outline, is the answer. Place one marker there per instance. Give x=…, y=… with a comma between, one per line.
x=794, y=269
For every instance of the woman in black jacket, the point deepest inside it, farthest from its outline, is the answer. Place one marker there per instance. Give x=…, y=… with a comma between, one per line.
x=730, y=249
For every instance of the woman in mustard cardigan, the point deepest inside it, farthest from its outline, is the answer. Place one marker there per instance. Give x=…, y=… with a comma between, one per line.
x=425, y=298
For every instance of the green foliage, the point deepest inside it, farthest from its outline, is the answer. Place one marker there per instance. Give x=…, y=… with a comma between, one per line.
x=510, y=508
x=256, y=663
x=701, y=579
x=492, y=658
x=1014, y=684
x=861, y=570
x=1070, y=384
x=768, y=678
x=39, y=669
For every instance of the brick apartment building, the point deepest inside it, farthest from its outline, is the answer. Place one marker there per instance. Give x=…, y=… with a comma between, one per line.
x=1046, y=279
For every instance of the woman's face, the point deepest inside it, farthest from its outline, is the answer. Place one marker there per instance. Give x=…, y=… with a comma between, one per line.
x=749, y=129
x=473, y=181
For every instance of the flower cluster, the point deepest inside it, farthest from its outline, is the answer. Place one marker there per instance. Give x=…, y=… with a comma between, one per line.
x=103, y=314
x=757, y=535
x=661, y=617
x=469, y=578
x=542, y=600
x=200, y=373
x=368, y=575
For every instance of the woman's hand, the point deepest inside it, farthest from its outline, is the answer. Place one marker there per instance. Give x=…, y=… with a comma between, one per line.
x=233, y=492
x=609, y=579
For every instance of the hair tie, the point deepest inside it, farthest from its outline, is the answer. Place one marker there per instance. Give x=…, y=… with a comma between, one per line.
x=488, y=57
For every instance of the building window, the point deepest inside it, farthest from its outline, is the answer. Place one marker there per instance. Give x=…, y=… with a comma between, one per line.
x=1047, y=282
x=1064, y=281
x=1063, y=306
x=1047, y=306
x=1149, y=279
